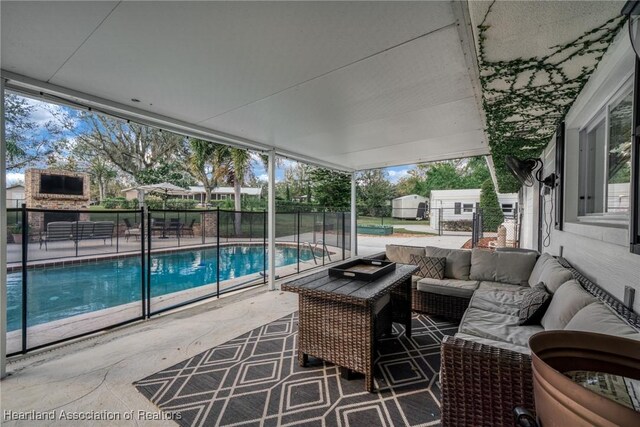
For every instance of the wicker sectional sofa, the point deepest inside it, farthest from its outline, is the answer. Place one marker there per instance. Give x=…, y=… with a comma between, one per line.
x=486, y=367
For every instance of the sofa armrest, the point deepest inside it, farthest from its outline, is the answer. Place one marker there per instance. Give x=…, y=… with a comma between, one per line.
x=481, y=384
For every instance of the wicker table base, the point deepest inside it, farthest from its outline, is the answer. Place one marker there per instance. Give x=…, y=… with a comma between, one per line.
x=343, y=329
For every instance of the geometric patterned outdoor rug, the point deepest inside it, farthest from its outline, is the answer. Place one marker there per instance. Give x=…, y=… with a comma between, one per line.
x=255, y=380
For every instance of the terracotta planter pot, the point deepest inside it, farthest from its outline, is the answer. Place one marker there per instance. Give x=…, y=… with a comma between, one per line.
x=17, y=238
x=560, y=401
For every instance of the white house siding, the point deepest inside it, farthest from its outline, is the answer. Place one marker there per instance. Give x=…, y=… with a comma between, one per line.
x=445, y=200
x=600, y=252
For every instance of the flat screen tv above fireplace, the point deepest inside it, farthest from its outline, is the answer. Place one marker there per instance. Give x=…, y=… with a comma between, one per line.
x=61, y=184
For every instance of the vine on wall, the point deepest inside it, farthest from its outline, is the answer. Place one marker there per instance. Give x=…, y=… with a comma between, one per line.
x=525, y=99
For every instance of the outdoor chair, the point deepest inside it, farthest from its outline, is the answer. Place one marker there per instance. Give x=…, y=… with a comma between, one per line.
x=56, y=231
x=175, y=226
x=158, y=225
x=103, y=230
x=189, y=228
x=131, y=230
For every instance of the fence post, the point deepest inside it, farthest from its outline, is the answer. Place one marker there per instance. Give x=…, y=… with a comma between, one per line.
x=343, y=238
x=143, y=264
x=474, y=230
x=440, y=221
x=148, y=263
x=117, y=232
x=298, y=240
x=25, y=242
x=77, y=241
x=264, y=246
x=218, y=252
x=324, y=243
x=203, y=218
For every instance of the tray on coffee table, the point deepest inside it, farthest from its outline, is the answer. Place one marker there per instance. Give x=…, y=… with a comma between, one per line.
x=363, y=269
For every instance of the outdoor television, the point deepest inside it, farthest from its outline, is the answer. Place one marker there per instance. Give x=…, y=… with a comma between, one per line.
x=61, y=184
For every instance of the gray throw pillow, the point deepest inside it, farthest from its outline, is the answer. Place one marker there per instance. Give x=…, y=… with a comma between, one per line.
x=534, y=304
x=431, y=267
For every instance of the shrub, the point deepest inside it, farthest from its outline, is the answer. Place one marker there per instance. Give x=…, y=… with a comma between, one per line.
x=492, y=215
x=458, y=225
x=114, y=203
x=153, y=202
x=181, y=204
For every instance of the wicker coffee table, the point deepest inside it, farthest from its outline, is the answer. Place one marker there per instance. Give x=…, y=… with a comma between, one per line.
x=339, y=318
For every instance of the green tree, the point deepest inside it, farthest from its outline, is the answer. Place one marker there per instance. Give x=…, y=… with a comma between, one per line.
x=133, y=148
x=234, y=165
x=203, y=164
x=102, y=174
x=445, y=175
x=374, y=191
x=170, y=172
x=475, y=172
x=492, y=215
x=28, y=141
x=330, y=188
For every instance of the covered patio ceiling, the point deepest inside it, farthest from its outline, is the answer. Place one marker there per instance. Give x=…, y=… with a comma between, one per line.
x=347, y=84
x=350, y=85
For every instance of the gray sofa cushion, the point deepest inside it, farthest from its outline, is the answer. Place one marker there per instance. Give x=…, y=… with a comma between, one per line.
x=494, y=343
x=458, y=261
x=402, y=254
x=483, y=265
x=414, y=281
x=505, y=267
x=597, y=317
x=534, y=277
x=452, y=287
x=515, y=267
x=498, y=298
x=554, y=275
x=565, y=303
x=496, y=326
x=497, y=286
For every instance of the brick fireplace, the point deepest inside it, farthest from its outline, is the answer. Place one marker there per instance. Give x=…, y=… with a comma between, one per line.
x=46, y=189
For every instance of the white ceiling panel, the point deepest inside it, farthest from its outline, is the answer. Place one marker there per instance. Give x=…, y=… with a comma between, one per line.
x=359, y=84
x=210, y=57
x=39, y=36
x=384, y=101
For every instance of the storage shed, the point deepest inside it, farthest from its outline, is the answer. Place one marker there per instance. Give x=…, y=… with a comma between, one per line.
x=412, y=206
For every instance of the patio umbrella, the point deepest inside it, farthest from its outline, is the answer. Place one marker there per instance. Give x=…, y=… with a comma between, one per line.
x=164, y=189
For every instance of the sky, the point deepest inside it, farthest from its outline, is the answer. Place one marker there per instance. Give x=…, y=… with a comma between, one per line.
x=43, y=112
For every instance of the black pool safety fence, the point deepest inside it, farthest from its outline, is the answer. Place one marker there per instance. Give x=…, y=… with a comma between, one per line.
x=498, y=227
x=71, y=273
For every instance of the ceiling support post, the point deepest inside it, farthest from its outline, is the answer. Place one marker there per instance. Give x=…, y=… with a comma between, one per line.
x=271, y=215
x=353, y=241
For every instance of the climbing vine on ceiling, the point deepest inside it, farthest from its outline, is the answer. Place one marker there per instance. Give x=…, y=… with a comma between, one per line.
x=525, y=99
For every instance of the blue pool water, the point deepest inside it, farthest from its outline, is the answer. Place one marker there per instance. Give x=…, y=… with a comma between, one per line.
x=57, y=293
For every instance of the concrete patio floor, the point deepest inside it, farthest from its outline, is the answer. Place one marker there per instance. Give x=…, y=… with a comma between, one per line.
x=96, y=374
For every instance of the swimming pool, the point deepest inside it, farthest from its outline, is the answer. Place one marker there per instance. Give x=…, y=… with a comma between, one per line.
x=60, y=292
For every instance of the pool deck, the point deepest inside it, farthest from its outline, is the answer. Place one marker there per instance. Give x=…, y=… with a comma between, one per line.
x=65, y=251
